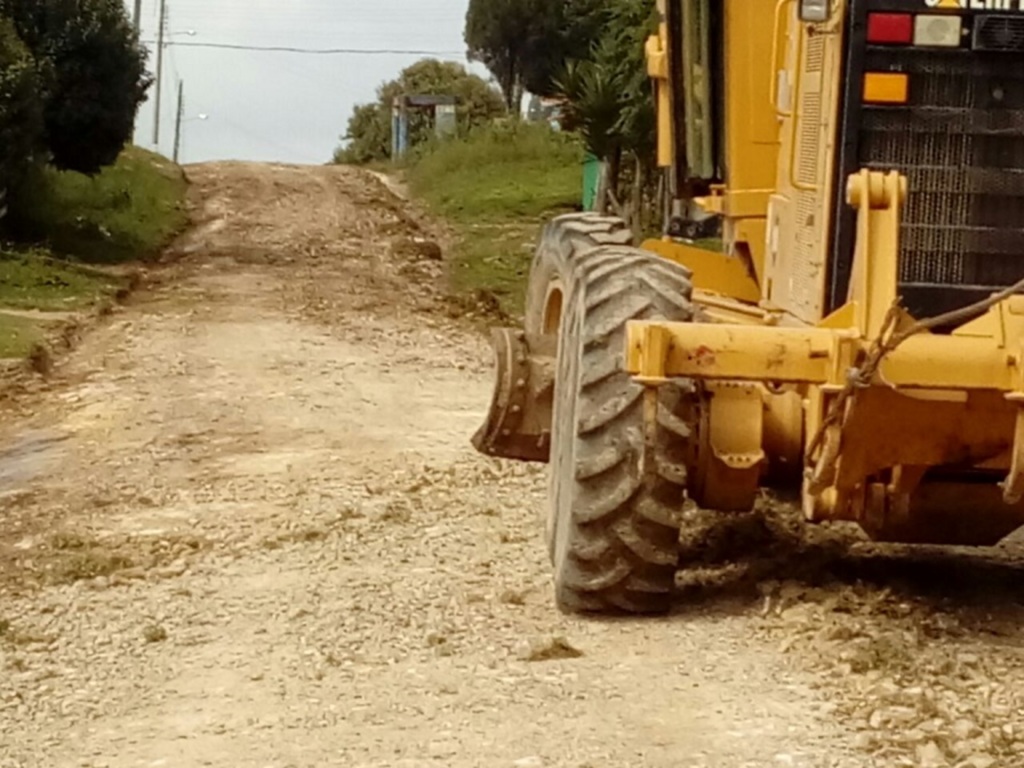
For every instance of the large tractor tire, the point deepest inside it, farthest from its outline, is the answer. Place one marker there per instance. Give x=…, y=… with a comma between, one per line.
x=617, y=484
x=564, y=239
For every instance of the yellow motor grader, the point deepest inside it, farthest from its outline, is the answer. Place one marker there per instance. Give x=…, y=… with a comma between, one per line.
x=858, y=338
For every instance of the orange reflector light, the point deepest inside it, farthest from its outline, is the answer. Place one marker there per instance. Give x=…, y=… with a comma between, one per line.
x=886, y=88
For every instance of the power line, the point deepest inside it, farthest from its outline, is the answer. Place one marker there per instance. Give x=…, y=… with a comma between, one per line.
x=316, y=51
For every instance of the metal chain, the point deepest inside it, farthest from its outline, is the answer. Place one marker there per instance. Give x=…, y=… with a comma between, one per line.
x=888, y=340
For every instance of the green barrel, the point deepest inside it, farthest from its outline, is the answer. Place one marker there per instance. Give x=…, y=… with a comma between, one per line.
x=591, y=180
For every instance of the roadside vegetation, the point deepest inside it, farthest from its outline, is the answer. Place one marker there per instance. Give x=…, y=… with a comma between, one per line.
x=496, y=188
x=62, y=254
x=367, y=139
x=127, y=212
x=501, y=176
x=79, y=200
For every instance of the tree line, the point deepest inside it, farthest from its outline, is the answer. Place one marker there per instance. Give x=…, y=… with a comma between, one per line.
x=369, y=128
x=586, y=54
x=589, y=54
x=72, y=77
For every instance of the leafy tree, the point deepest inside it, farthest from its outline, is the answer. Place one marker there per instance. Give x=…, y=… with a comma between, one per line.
x=505, y=35
x=20, y=111
x=610, y=103
x=632, y=22
x=575, y=29
x=92, y=76
x=526, y=43
x=369, y=128
x=590, y=53
x=368, y=135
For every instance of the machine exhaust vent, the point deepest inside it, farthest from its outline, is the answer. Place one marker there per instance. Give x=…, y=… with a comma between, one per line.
x=999, y=33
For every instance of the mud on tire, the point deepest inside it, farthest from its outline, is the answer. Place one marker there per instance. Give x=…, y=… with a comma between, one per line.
x=564, y=240
x=616, y=492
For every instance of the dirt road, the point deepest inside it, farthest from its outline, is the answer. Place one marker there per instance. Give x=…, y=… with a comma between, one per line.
x=243, y=526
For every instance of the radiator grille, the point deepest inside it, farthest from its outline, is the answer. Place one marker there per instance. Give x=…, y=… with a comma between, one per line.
x=999, y=33
x=960, y=142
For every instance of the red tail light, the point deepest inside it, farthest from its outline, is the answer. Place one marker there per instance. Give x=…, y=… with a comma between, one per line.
x=890, y=28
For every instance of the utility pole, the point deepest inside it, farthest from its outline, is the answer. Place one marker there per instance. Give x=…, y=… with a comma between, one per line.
x=137, y=20
x=177, y=122
x=159, y=72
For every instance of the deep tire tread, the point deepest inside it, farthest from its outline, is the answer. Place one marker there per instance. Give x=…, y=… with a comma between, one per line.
x=616, y=502
x=605, y=461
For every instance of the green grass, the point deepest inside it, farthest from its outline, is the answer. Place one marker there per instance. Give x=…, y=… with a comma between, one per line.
x=497, y=187
x=64, y=222
x=128, y=212
x=34, y=280
x=18, y=335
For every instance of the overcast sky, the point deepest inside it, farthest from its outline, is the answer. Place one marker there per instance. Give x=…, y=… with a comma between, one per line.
x=289, y=107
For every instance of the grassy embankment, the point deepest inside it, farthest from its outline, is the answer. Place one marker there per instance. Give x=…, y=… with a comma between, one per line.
x=497, y=188
x=71, y=231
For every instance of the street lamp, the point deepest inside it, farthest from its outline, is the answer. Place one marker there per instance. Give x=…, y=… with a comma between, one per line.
x=162, y=34
x=182, y=120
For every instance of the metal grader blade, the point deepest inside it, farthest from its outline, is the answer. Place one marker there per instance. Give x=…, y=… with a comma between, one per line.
x=518, y=425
